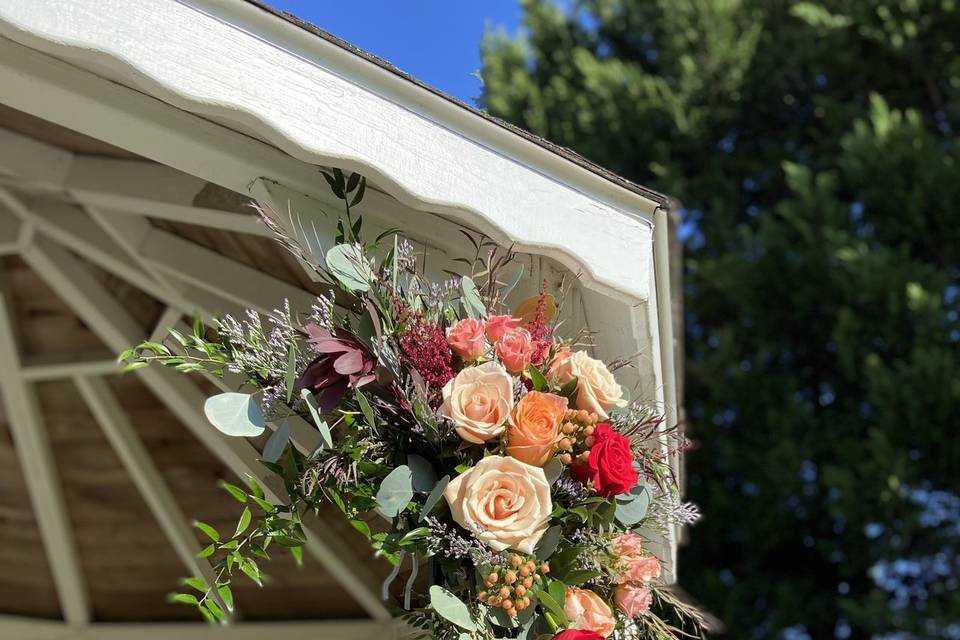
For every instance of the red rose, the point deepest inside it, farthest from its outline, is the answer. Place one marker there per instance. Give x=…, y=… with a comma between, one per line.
x=578, y=634
x=610, y=464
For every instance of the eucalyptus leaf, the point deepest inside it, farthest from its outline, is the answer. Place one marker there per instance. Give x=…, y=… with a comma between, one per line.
x=424, y=477
x=451, y=608
x=347, y=263
x=235, y=414
x=632, y=507
x=395, y=491
x=434, y=497
x=470, y=299
x=553, y=469
x=277, y=443
x=511, y=281
x=317, y=418
x=548, y=543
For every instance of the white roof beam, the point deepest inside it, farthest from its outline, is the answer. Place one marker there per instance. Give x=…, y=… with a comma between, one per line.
x=150, y=483
x=39, y=467
x=32, y=162
x=153, y=190
x=60, y=366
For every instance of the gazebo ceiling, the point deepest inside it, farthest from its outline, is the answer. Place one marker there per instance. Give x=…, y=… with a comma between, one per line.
x=125, y=559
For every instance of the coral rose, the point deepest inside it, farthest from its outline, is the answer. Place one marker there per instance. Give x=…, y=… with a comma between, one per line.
x=587, y=610
x=610, y=463
x=597, y=389
x=633, y=600
x=479, y=401
x=503, y=502
x=466, y=338
x=515, y=349
x=578, y=634
x=497, y=326
x=533, y=428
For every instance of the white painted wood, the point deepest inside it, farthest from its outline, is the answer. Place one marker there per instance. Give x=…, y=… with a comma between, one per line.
x=110, y=321
x=228, y=278
x=10, y=232
x=40, y=369
x=32, y=162
x=16, y=628
x=37, y=463
x=153, y=190
x=149, y=481
x=210, y=67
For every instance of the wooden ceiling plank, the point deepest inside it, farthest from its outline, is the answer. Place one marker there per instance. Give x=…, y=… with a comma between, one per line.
x=111, y=322
x=147, y=478
x=43, y=484
x=39, y=370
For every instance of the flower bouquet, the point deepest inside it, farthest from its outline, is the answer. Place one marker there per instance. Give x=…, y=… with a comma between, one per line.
x=496, y=451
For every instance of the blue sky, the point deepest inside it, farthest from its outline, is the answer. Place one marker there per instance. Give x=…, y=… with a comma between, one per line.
x=436, y=41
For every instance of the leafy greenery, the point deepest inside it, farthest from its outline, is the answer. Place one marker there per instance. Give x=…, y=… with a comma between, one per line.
x=813, y=146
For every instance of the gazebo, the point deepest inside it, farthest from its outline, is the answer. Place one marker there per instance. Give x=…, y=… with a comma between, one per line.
x=134, y=136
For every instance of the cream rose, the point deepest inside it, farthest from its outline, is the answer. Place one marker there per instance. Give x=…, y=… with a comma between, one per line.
x=503, y=502
x=478, y=401
x=597, y=389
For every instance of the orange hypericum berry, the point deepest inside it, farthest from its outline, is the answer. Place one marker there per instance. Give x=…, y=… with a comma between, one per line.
x=584, y=456
x=589, y=431
x=528, y=582
x=524, y=572
x=482, y=596
x=520, y=590
x=516, y=560
x=510, y=577
x=504, y=592
x=512, y=612
x=493, y=577
x=568, y=427
x=593, y=418
x=583, y=414
x=566, y=458
x=589, y=440
x=507, y=604
x=545, y=568
x=565, y=443
x=494, y=601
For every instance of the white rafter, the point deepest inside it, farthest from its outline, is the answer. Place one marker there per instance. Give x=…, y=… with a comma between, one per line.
x=110, y=321
x=40, y=474
x=147, y=478
x=63, y=365
x=154, y=190
x=30, y=629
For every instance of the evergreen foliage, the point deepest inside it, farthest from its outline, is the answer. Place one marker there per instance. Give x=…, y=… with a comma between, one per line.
x=814, y=148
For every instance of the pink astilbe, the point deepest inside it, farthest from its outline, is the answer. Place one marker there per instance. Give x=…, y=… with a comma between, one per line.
x=540, y=331
x=423, y=346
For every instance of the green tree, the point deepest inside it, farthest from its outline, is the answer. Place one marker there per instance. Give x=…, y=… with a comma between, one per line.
x=813, y=147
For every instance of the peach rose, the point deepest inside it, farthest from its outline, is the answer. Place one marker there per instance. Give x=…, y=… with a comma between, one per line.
x=479, y=401
x=586, y=610
x=534, y=427
x=642, y=569
x=466, y=338
x=597, y=389
x=497, y=326
x=633, y=600
x=503, y=502
x=628, y=545
x=515, y=349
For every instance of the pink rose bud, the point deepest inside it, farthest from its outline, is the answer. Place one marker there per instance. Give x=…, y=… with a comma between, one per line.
x=632, y=600
x=498, y=326
x=515, y=349
x=466, y=338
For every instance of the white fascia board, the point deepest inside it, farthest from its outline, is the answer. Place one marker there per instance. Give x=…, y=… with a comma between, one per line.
x=238, y=65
